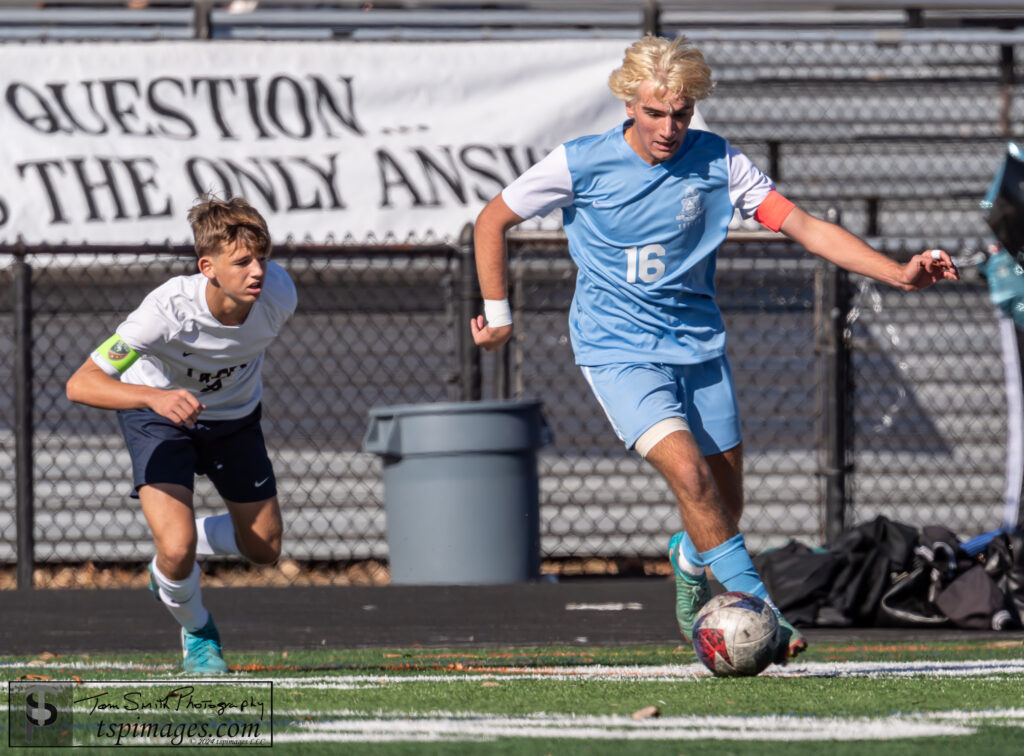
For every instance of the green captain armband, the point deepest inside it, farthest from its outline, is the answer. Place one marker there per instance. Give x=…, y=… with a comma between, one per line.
x=115, y=351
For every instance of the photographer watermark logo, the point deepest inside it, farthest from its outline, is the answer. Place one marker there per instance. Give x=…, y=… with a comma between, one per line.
x=141, y=713
x=40, y=714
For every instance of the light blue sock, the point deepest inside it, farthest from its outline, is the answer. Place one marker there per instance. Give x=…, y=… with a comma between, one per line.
x=734, y=568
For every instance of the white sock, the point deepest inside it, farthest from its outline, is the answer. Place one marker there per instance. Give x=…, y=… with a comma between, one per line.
x=182, y=598
x=216, y=535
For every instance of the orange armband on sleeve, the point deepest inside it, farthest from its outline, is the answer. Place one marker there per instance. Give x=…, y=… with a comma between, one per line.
x=773, y=211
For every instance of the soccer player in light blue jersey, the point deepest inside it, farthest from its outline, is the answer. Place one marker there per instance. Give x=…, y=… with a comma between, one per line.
x=645, y=207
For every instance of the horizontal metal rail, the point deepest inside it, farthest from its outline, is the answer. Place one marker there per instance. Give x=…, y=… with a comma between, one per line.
x=889, y=21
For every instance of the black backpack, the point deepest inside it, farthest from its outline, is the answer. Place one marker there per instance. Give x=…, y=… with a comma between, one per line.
x=885, y=573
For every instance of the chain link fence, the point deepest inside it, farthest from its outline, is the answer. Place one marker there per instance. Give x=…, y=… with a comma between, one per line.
x=373, y=327
x=383, y=327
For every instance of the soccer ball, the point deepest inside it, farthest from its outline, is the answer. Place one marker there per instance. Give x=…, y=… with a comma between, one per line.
x=736, y=634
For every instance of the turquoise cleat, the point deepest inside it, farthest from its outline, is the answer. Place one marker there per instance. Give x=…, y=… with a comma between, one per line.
x=201, y=650
x=152, y=584
x=791, y=642
x=691, y=592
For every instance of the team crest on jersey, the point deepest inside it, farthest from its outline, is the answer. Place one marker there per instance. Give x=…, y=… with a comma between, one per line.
x=690, y=206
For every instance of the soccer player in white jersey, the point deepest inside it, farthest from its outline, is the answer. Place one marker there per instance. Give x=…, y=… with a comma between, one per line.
x=183, y=372
x=645, y=207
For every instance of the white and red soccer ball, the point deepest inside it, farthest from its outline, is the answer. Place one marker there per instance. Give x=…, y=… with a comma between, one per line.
x=736, y=634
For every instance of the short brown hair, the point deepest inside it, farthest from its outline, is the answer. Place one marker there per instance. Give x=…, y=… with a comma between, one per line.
x=673, y=66
x=218, y=224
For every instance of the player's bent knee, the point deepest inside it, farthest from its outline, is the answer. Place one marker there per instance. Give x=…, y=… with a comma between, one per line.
x=258, y=530
x=176, y=564
x=262, y=548
x=177, y=554
x=264, y=553
x=693, y=485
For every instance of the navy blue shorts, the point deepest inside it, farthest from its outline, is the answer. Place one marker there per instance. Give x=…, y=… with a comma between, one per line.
x=231, y=453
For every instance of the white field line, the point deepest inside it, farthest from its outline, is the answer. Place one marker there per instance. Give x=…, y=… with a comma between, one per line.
x=1011, y=716
x=671, y=672
x=120, y=666
x=477, y=727
x=1008, y=716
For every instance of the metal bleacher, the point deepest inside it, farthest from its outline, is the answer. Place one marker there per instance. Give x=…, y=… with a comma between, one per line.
x=462, y=19
x=280, y=19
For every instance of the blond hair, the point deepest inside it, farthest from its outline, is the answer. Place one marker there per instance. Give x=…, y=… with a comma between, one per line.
x=673, y=66
x=220, y=224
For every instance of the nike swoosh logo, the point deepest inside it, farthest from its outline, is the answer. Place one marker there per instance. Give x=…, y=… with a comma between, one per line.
x=261, y=482
x=186, y=354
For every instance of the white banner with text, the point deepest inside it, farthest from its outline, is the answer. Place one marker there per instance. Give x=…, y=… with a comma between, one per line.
x=111, y=143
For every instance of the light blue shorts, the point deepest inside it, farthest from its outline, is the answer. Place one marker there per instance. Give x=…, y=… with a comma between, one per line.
x=635, y=396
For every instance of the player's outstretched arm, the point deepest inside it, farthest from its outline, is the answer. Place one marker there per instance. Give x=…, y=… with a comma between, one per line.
x=839, y=246
x=491, y=267
x=91, y=386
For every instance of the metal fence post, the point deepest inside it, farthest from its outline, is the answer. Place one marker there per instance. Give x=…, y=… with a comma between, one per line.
x=513, y=358
x=23, y=431
x=503, y=357
x=503, y=371
x=831, y=310
x=1007, y=82
x=201, y=25
x=652, y=18
x=469, y=308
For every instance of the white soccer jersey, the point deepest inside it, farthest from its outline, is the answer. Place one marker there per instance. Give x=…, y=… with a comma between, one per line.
x=182, y=345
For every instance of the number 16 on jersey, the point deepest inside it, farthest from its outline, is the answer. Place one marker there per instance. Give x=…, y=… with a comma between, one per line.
x=643, y=263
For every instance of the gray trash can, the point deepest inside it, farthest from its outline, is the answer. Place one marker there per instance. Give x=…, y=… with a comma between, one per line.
x=460, y=490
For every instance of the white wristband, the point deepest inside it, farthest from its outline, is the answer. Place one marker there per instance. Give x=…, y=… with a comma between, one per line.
x=497, y=312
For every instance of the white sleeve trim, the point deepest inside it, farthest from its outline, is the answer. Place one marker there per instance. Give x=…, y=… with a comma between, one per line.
x=748, y=186
x=544, y=186
x=698, y=122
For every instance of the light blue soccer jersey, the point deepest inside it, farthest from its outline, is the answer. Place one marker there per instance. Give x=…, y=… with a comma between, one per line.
x=644, y=238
